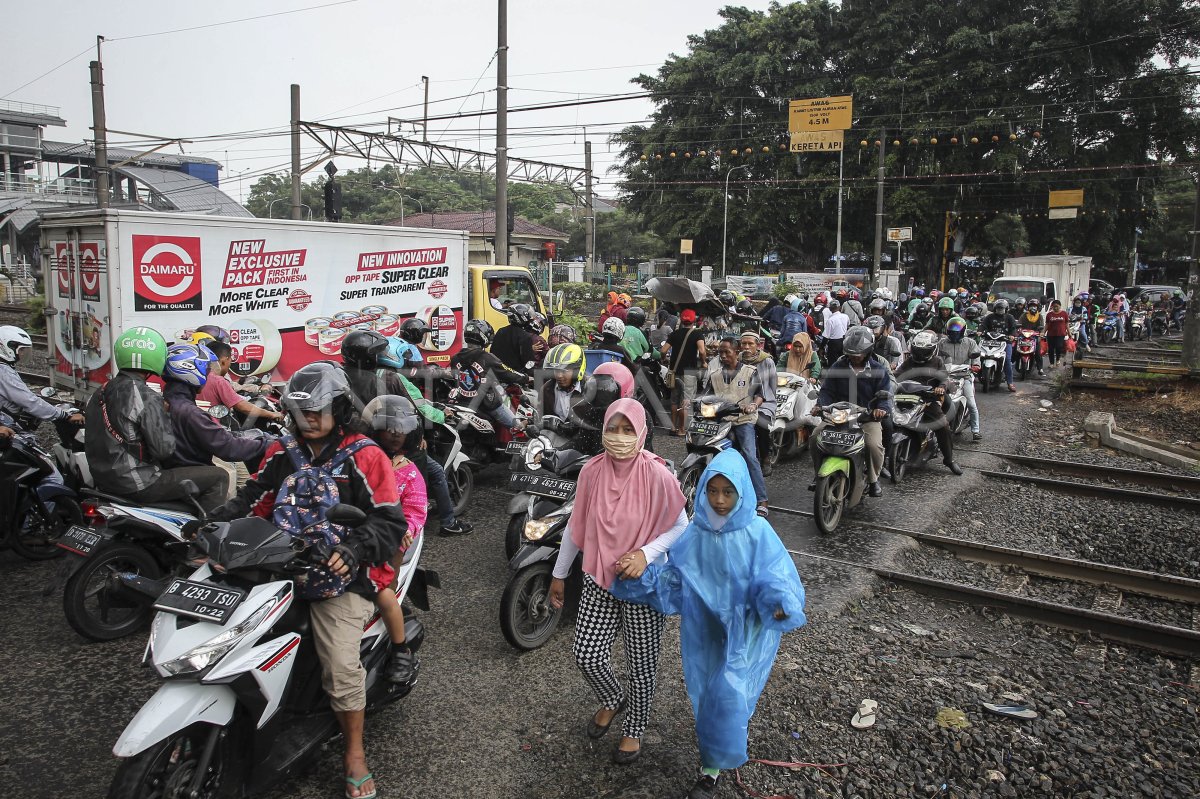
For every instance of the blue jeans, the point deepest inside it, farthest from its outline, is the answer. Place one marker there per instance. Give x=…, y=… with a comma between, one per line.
x=1008, y=363
x=502, y=415
x=743, y=441
x=439, y=489
x=1083, y=341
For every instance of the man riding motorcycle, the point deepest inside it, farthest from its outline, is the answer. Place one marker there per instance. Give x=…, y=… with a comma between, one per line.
x=887, y=348
x=861, y=378
x=957, y=349
x=513, y=343
x=753, y=355
x=130, y=434
x=1000, y=321
x=321, y=405
x=15, y=396
x=926, y=366
x=481, y=374
x=738, y=382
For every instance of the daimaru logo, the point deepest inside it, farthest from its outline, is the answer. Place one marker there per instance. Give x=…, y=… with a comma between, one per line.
x=167, y=273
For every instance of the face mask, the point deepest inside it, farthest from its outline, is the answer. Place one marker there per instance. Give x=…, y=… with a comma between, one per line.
x=621, y=447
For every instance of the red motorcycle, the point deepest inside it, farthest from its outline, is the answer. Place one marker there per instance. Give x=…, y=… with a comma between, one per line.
x=1027, y=352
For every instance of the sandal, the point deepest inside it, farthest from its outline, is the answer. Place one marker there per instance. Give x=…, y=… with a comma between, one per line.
x=865, y=715
x=357, y=783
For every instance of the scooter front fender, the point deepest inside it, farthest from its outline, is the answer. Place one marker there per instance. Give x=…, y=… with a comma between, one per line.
x=832, y=464
x=175, y=707
x=519, y=503
x=531, y=553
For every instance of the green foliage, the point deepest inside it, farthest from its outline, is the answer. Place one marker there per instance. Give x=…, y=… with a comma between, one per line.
x=37, y=319
x=1107, y=87
x=583, y=326
x=574, y=294
x=781, y=290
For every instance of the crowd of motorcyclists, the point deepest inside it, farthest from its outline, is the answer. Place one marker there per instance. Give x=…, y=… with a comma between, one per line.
x=151, y=438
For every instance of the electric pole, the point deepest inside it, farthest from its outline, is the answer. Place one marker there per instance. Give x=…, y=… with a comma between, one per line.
x=100, y=129
x=589, y=229
x=296, y=205
x=425, y=115
x=878, y=214
x=1191, y=317
x=502, y=133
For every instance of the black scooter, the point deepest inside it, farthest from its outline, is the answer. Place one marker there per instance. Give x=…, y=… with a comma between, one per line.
x=34, y=510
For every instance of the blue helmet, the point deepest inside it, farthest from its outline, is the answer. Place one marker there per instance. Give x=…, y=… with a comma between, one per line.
x=398, y=352
x=189, y=364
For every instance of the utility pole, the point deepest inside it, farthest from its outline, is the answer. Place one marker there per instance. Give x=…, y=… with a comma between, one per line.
x=100, y=128
x=502, y=133
x=1191, y=318
x=1131, y=278
x=878, y=214
x=425, y=115
x=296, y=205
x=590, y=228
x=838, y=251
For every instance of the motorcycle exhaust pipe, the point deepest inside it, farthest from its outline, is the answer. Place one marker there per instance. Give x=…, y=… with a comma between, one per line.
x=131, y=590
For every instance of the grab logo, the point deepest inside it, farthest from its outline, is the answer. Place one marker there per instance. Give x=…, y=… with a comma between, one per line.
x=167, y=273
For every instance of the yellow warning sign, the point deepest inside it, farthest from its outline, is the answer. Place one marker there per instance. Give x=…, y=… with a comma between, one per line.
x=824, y=141
x=1066, y=198
x=820, y=113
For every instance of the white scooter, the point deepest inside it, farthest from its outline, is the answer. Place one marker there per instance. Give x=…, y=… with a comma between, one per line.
x=241, y=707
x=795, y=397
x=993, y=349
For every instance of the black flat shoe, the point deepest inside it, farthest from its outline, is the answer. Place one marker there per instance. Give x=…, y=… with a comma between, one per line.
x=595, y=730
x=704, y=788
x=623, y=758
x=954, y=468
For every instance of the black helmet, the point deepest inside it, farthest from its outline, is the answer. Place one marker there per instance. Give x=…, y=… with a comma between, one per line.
x=411, y=330
x=601, y=391
x=478, y=333
x=362, y=348
x=521, y=315
x=745, y=308
x=727, y=299
x=972, y=312
x=1000, y=306
x=859, y=340
x=635, y=317
x=319, y=386
x=391, y=412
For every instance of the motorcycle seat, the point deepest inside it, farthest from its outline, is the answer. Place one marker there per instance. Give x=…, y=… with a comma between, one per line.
x=174, y=507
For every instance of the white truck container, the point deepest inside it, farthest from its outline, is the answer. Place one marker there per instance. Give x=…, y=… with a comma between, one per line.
x=1046, y=277
x=287, y=291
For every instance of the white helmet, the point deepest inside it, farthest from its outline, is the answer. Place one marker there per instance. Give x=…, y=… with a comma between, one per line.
x=12, y=339
x=952, y=293
x=614, y=327
x=885, y=293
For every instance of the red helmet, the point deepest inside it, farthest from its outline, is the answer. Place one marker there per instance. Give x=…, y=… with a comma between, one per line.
x=822, y=298
x=842, y=294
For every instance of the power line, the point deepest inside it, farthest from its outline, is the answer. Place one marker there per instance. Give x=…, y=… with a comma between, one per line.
x=229, y=22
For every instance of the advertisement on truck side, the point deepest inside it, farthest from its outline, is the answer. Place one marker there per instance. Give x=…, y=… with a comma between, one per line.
x=288, y=296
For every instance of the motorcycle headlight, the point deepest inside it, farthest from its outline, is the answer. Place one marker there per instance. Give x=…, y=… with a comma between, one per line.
x=708, y=410
x=533, y=453
x=199, y=658
x=838, y=416
x=537, y=529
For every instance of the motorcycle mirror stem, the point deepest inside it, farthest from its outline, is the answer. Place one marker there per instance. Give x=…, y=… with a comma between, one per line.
x=192, y=491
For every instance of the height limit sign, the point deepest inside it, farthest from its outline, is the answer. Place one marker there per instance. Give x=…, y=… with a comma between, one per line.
x=820, y=113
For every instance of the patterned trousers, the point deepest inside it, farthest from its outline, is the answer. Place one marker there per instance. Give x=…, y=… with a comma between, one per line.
x=601, y=617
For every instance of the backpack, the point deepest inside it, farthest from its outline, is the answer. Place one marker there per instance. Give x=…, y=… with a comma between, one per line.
x=301, y=501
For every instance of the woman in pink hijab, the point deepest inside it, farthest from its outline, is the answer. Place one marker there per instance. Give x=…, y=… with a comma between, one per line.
x=628, y=512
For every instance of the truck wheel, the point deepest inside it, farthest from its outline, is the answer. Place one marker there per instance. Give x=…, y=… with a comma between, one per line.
x=828, y=501
x=92, y=608
x=526, y=617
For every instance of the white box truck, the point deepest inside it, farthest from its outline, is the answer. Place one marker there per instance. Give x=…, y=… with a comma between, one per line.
x=287, y=291
x=1046, y=277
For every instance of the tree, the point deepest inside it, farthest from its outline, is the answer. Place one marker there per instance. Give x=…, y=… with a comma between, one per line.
x=1059, y=95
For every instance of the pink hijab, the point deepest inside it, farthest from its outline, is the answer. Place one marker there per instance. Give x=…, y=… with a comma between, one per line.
x=622, y=505
x=619, y=373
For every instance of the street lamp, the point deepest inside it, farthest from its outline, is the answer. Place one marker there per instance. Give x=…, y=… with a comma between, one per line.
x=271, y=206
x=725, y=228
x=401, y=195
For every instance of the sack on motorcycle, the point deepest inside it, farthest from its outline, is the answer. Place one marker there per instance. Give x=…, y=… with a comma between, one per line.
x=301, y=503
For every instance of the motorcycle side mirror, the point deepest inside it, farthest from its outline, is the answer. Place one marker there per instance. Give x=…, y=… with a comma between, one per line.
x=192, y=491
x=218, y=411
x=345, y=515
x=47, y=393
x=812, y=395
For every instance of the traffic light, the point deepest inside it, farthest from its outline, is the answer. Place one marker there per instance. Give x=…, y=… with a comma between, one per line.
x=333, y=201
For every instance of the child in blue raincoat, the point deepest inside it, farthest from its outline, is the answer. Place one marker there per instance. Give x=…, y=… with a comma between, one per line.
x=737, y=591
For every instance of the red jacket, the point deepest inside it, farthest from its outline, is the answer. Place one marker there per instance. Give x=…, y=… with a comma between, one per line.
x=1056, y=323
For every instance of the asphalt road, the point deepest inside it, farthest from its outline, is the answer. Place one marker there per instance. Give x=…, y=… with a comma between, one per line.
x=485, y=720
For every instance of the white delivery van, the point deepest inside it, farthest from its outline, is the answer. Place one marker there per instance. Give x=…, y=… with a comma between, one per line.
x=1046, y=277
x=287, y=291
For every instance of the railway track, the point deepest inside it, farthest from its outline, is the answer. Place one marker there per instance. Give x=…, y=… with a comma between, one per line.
x=1100, y=621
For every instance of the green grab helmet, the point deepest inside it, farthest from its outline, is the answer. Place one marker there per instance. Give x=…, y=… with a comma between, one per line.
x=141, y=348
x=945, y=302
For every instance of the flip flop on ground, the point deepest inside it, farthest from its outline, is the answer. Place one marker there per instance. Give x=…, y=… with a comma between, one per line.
x=865, y=715
x=1012, y=711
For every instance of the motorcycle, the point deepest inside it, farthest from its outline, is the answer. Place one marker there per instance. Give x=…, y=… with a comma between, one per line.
x=1106, y=327
x=259, y=391
x=107, y=562
x=1026, y=349
x=535, y=474
x=485, y=442
x=538, y=515
x=1163, y=323
x=993, y=352
x=1138, y=329
x=241, y=707
x=708, y=434
x=791, y=427
x=445, y=445
x=841, y=463
x=38, y=505
x=958, y=415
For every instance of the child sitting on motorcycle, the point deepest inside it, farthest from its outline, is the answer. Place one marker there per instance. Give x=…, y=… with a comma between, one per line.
x=217, y=390
x=390, y=421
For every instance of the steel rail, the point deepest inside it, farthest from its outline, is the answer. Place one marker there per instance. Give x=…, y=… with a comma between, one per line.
x=1097, y=491
x=1136, y=581
x=1077, y=469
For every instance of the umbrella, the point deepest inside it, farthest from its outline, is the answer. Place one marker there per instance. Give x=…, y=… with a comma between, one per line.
x=684, y=293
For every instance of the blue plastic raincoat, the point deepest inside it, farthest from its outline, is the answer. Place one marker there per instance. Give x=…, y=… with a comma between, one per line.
x=726, y=577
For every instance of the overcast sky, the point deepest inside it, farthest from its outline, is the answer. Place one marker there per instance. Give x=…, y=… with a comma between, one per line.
x=356, y=62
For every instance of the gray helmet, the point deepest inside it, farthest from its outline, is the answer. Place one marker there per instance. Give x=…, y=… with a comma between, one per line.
x=391, y=412
x=318, y=386
x=1000, y=306
x=875, y=322
x=859, y=340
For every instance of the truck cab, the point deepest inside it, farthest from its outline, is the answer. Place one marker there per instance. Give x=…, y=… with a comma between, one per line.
x=494, y=288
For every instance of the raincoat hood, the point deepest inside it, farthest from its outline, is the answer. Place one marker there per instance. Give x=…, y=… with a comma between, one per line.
x=732, y=466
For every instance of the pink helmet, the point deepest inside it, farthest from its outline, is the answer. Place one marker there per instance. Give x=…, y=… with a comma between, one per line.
x=619, y=373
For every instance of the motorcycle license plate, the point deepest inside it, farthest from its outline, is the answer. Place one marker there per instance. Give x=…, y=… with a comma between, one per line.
x=782, y=396
x=515, y=448
x=200, y=601
x=838, y=438
x=543, y=485
x=704, y=427
x=79, y=540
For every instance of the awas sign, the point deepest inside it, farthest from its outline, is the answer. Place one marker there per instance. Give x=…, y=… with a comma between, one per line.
x=167, y=273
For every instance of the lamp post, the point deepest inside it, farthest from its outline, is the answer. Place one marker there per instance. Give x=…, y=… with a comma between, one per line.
x=271, y=206
x=725, y=227
x=401, y=195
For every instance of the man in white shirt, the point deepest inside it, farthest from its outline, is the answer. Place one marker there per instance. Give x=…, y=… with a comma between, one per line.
x=836, y=325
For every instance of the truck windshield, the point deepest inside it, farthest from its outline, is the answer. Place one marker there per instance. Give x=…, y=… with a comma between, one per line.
x=516, y=291
x=1012, y=290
